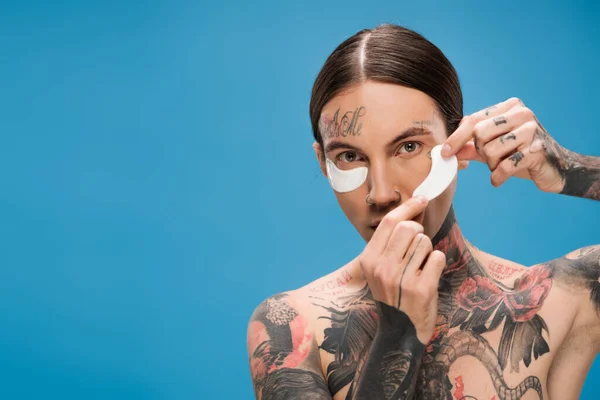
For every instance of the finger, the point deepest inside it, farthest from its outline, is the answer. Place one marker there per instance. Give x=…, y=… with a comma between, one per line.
x=416, y=254
x=458, y=138
x=464, y=132
x=497, y=109
x=434, y=266
x=469, y=152
x=498, y=149
x=517, y=162
x=492, y=128
x=405, y=212
x=400, y=240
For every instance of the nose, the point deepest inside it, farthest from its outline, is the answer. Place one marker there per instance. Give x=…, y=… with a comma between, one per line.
x=382, y=192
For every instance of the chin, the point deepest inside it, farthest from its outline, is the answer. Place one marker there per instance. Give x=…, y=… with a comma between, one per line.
x=366, y=233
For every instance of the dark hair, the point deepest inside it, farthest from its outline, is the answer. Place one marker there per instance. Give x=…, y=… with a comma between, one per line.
x=391, y=54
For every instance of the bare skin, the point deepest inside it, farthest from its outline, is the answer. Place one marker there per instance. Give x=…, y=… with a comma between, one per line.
x=421, y=313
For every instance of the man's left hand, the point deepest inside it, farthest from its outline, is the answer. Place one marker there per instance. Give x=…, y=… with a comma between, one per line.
x=512, y=142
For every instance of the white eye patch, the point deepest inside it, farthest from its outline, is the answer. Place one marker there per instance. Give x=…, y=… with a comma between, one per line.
x=443, y=171
x=345, y=181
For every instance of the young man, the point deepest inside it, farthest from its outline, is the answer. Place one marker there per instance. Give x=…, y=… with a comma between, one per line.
x=421, y=313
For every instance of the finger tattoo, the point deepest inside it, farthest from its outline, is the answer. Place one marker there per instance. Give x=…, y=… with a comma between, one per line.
x=517, y=157
x=499, y=120
x=507, y=137
x=487, y=111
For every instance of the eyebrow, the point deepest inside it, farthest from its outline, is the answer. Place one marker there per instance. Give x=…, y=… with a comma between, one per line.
x=407, y=133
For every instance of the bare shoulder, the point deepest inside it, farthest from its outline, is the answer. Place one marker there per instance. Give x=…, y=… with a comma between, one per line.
x=576, y=274
x=292, y=334
x=283, y=348
x=301, y=301
x=579, y=271
x=584, y=253
x=279, y=328
x=282, y=351
x=580, y=267
x=345, y=318
x=333, y=296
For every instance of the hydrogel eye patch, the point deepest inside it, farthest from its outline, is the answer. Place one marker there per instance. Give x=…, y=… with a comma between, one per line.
x=443, y=171
x=345, y=181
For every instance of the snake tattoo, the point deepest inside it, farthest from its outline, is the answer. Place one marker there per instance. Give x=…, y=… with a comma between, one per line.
x=460, y=344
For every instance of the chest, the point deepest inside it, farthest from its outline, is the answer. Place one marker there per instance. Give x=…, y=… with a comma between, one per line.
x=488, y=342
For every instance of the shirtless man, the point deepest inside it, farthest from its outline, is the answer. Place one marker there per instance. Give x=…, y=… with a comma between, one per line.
x=421, y=313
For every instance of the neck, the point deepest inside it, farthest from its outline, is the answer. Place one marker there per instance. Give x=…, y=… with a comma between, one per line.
x=450, y=241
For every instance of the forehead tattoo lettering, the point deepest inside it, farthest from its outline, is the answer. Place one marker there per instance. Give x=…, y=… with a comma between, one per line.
x=426, y=122
x=349, y=124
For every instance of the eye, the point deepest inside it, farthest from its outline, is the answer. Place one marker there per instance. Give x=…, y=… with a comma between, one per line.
x=409, y=147
x=348, y=156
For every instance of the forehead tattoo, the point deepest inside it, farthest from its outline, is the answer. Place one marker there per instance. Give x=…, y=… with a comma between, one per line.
x=427, y=122
x=349, y=124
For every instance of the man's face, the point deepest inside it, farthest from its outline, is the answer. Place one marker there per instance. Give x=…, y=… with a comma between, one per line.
x=389, y=129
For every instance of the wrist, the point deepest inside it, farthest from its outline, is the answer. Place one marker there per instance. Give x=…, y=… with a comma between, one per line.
x=396, y=325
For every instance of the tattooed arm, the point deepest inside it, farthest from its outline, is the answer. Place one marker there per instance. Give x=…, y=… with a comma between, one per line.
x=394, y=360
x=282, y=353
x=406, y=297
x=581, y=175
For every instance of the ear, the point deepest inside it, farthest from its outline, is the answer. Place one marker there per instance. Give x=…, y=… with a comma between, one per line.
x=463, y=164
x=320, y=157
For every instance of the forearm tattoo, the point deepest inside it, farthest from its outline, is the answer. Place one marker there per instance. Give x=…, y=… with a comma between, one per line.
x=391, y=369
x=580, y=174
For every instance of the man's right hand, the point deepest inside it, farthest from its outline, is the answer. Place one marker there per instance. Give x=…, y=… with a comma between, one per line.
x=402, y=269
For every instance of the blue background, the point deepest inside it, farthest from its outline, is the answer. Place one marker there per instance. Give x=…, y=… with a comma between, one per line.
x=158, y=179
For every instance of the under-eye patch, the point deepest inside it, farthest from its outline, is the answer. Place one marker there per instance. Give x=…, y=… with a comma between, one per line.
x=443, y=171
x=345, y=181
